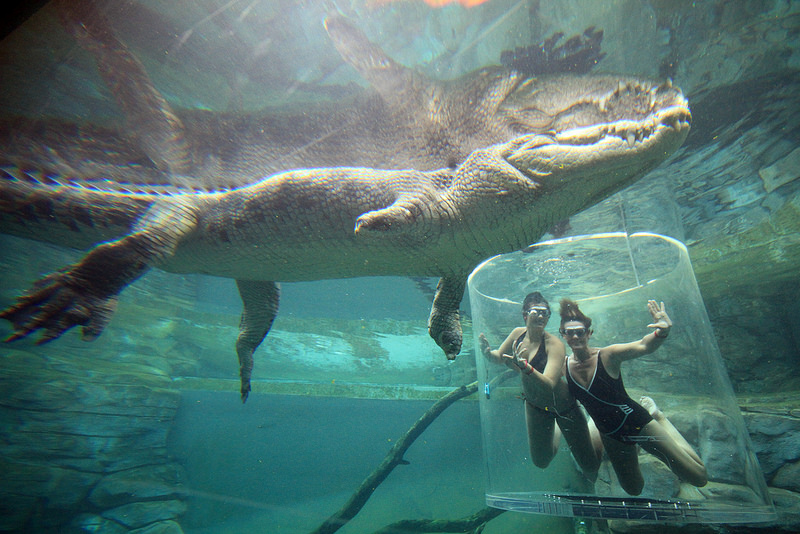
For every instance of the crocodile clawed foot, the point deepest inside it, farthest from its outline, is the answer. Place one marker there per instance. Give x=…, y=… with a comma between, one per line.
x=394, y=218
x=444, y=322
x=446, y=331
x=245, y=354
x=450, y=342
x=54, y=305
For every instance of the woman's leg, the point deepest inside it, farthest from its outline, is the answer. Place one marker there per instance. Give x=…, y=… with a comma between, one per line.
x=585, y=450
x=542, y=438
x=650, y=405
x=625, y=460
x=675, y=455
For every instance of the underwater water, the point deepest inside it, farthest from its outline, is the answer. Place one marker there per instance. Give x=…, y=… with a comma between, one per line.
x=143, y=429
x=304, y=458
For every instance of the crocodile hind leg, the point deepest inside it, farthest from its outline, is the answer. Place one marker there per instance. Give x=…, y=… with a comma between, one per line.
x=260, y=301
x=444, y=324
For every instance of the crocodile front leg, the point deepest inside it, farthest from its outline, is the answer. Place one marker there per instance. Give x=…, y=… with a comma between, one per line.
x=444, y=324
x=85, y=293
x=260, y=301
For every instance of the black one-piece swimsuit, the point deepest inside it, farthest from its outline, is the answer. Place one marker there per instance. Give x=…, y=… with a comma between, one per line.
x=616, y=414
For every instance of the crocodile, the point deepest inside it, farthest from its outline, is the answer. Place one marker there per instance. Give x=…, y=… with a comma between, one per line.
x=531, y=151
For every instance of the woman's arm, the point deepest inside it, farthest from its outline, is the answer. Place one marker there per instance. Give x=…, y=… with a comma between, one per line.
x=553, y=367
x=556, y=356
x=501, y=354
x=614, y=355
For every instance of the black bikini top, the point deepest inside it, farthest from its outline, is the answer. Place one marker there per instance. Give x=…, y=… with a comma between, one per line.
x=540, y=359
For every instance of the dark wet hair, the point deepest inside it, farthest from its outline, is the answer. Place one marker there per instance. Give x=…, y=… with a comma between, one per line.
x=534, y=298
x=571, y=312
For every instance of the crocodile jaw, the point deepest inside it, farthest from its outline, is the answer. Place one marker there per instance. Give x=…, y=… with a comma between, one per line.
x=603, y=138
x=617, y=145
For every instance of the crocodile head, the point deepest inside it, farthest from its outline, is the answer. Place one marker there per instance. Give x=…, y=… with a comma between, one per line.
x=574, y=141
x=586, y=137
x=571, y=126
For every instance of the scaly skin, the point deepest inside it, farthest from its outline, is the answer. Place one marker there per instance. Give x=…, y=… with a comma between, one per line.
x=534, y=152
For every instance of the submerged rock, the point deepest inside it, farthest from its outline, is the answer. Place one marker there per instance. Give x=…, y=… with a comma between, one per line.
x=75, y=419
x=96, y=524
x=162, y=527
x=148, y=482
x=140, y=514
x=787, y=477
x=775, y=441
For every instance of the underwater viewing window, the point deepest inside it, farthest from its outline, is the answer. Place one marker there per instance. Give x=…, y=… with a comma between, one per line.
x=612, y=276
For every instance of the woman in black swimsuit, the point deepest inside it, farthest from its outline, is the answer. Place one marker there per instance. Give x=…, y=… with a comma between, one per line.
x=594, y=378
x=539, y=358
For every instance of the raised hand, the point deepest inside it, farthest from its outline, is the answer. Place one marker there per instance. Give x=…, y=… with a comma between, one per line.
x=661, y=320
x=486, y=349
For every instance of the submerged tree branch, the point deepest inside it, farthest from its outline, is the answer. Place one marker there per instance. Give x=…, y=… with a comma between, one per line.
x=473, y=523
x=392, y=459
x=395, y=457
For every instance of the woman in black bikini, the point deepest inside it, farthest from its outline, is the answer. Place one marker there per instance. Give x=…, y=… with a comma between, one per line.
x=594, y=378
x=539, y=358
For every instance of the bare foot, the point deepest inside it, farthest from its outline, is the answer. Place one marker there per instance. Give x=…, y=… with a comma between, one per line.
x=650, y=405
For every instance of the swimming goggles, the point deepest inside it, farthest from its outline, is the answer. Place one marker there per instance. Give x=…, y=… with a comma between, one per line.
x=576, y=332
x=538, y=311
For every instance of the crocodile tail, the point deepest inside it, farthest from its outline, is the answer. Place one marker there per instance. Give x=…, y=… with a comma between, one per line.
x=53, y=210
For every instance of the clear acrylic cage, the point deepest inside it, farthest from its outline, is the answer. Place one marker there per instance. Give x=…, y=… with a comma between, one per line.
x=612, y=275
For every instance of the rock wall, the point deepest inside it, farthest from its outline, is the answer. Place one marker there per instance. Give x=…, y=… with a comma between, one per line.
x=84, y=445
